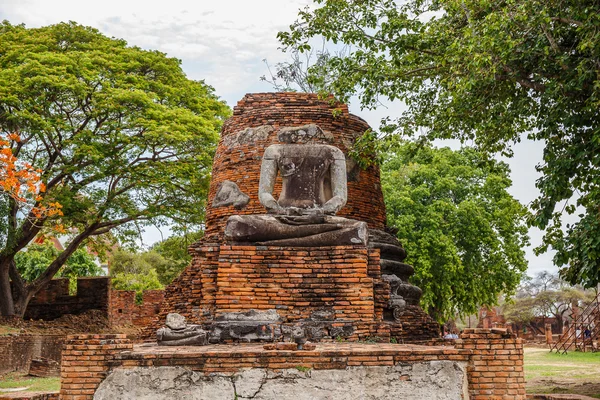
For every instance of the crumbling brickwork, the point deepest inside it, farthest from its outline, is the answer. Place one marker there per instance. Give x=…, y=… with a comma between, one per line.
x=296, y=282
x=495, y=369
x=85, y=362
x=54, y=300
x=124, y=310
x=17, y=351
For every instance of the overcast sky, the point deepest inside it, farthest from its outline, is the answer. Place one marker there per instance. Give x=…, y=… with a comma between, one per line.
x=224, y=43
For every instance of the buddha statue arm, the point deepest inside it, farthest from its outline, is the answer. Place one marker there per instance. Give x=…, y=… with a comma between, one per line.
x=339, y=186
x=268, y=174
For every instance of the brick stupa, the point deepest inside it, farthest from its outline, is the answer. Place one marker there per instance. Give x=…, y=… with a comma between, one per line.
x=260, y=293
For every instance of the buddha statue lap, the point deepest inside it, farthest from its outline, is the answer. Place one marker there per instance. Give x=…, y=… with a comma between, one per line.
x=314, y=189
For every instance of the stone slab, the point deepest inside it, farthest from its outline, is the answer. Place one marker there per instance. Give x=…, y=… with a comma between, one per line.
x=434, y=380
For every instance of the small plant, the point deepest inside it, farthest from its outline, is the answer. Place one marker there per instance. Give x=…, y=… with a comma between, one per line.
x=371, y=340
x=302, y=368
x=393, y=340
x=339, y=339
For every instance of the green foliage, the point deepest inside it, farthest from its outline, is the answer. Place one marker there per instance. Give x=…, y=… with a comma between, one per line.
x=121, y=136
x=168, y=258
x=139, y=282
x=484, y=72
x=34, y=260
x=174, y=251
x=463, y=232
x=546, y=295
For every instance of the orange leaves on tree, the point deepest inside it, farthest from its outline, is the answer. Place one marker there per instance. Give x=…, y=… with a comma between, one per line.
x=22, y=182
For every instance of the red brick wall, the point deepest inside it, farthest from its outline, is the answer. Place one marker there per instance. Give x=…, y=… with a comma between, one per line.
x=54, y=301
x=240, y=163
x=124, y=311
x=294, y=281
x=17, y=351
x=85, y=363
x=495, y=368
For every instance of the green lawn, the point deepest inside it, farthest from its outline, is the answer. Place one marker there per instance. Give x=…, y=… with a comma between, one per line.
x=33, y=384
x=574, y=372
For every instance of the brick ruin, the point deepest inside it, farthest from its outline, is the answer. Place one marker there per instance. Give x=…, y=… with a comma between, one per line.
x=251, y=294
x=119, y=307
x=483, y=364
x=54, y=300
x=334, y=291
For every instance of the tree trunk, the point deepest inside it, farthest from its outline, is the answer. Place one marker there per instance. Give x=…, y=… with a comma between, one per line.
x=7, y=307
x=21, y=302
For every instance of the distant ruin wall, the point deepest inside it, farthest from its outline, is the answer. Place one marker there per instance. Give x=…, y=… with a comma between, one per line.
x=17, y=351
x=125, y=311
x=94, y=293
x=54, y=300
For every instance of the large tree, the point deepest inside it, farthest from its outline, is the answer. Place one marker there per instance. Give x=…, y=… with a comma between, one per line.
x=463, y=232
x=119, y=136
x=486, y=72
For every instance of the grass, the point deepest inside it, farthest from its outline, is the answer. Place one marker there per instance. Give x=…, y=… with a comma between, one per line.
x=574, y=372
x=7, y=330
x=33, y=384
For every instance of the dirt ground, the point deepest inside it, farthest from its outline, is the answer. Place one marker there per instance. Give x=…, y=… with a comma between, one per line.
x=92, y=321
x=574, y=372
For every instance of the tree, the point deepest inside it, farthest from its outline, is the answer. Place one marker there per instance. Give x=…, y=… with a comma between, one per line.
x=136, y=271
x=174, y=251
x=35, y=259
x=119, y=136
x=485, y=71
x=545, y=296
x=462, y=230
x=137, y=282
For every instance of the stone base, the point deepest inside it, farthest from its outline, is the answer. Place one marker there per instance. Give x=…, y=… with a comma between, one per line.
x=483, y=364
x=382, y=371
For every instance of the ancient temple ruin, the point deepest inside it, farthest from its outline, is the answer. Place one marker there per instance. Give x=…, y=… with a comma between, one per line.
x=297, y=290
x=337, y=273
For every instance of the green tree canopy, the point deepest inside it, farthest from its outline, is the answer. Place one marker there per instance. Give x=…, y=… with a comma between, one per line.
x=463, y=232
x=486, y=72
x=137, y=271
x=119, y=135
x=175, y=252
x=33, y=261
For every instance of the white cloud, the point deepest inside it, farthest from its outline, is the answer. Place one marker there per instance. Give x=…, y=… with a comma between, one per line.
x=221, y=42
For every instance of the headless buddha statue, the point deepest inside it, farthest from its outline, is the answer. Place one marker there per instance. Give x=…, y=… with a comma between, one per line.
x=313, y=189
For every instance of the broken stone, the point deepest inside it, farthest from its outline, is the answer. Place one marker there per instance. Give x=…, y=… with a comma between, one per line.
x=178, y=333
x=229, y=194
x=303, y=134
x=247, y=136
x=250, y=315
x=175, y=321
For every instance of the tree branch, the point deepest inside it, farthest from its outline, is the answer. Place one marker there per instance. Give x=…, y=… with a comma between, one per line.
x=567, y=20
